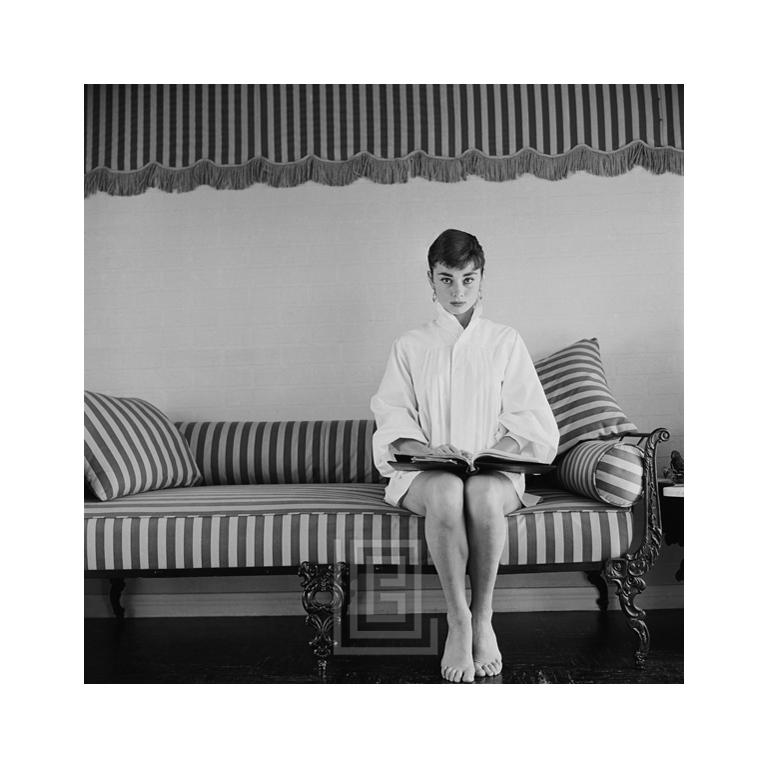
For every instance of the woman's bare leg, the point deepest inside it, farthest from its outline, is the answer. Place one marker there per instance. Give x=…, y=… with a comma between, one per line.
x=439, y=497
x=487, y=499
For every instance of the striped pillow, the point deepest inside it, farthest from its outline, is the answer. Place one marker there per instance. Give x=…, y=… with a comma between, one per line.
x=130, y=447
x=610, y=472
x=575, y=385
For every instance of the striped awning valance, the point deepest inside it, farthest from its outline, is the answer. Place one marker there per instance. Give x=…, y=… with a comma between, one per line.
x=176, y=137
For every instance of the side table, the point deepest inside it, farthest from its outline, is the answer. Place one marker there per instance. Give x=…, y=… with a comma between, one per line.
x=672, y=517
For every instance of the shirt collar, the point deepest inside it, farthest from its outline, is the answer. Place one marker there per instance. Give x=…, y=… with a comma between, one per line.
x=449, y=321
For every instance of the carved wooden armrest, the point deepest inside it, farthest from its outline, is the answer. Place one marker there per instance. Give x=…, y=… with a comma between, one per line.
x=627, y=572
x=648, y=505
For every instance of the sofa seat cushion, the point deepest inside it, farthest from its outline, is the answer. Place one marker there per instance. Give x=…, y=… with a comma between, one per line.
x=240, y=526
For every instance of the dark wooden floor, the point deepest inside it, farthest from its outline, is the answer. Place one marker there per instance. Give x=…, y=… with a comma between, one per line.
x=565, y=647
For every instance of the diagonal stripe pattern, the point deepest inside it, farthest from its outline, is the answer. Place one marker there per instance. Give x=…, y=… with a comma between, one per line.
x=574, y=383
x=131, y=446
x=606, y=471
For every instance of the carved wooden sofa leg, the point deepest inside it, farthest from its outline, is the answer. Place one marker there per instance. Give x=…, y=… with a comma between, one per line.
x=324, y=599
x=595, y=578
x=627, y=572
x=627, y=575
x=116, y=587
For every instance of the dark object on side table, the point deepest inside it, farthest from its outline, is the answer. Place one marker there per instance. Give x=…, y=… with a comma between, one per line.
x=674, y=471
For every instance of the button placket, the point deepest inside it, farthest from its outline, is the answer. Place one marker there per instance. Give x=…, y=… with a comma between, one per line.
x=457, y=398
x=457, y=392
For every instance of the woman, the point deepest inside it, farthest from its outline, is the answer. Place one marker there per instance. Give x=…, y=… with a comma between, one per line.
x=462, y=383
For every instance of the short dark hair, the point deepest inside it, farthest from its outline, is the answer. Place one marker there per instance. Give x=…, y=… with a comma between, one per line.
x=456, y=249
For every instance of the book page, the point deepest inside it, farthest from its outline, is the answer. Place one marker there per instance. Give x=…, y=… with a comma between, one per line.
x=497, y=454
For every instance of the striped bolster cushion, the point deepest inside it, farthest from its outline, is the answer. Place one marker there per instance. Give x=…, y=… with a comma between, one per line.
x=575, y=385
x=256, y=452
x=610, y=472
x=131, y=446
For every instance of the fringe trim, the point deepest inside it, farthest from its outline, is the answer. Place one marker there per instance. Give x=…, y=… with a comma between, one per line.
x=337, y=173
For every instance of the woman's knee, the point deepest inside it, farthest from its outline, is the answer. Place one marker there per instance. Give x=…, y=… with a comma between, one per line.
x=484, y=495
x=444, y=497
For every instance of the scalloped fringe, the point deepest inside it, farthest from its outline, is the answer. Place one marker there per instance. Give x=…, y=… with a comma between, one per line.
x=396, y=171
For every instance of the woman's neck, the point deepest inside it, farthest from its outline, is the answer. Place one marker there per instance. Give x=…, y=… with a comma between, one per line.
x=465, y=318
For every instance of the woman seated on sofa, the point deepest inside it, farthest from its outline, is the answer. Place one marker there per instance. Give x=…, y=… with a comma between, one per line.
x=462, y=382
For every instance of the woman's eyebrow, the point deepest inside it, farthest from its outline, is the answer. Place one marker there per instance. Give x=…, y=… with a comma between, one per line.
x=465, y=274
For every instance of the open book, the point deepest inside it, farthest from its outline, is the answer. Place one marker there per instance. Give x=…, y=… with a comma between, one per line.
x=487, y=460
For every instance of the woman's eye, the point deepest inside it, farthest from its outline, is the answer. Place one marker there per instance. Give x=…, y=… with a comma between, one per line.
x=469, y=280
x=445, y=281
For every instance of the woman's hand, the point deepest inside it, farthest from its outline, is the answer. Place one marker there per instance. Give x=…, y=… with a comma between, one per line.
x=415, y=448
x=447, y=448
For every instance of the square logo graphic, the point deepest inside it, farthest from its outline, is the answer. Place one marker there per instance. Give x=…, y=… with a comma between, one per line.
x=384, y=613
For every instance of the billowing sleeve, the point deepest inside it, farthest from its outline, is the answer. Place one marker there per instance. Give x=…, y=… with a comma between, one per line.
x=395, y=409
x=525, y=412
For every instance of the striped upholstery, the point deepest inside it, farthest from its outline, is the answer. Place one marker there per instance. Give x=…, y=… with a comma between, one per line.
x=283, y=525
x=282, y=451
x=130, y=447
x=606, y=471
x=575, y=385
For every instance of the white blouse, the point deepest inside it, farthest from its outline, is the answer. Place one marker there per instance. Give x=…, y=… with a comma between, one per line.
x=465, y=386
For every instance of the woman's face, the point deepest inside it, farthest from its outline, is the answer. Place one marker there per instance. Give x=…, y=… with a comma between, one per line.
x=457, y=290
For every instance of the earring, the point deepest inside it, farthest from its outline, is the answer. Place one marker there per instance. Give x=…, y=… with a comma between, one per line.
x=480, y=294
x=434, y=296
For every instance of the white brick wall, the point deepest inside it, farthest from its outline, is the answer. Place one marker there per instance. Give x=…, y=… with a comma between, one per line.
x=282, y=303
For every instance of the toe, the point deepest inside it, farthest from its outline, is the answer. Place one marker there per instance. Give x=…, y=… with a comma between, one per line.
x=479, y=671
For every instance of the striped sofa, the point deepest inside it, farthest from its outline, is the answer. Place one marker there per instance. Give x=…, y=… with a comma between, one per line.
x=282, y=497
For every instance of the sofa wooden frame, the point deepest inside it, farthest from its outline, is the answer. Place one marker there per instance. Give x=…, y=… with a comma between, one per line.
x=331, y=580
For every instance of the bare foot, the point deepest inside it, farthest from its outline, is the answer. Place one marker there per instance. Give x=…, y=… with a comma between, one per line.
x=485, y=649
x=456, y=665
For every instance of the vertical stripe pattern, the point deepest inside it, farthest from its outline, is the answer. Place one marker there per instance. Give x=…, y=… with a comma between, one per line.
x=282, y=452
x=268, y=133
x=266, y=526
